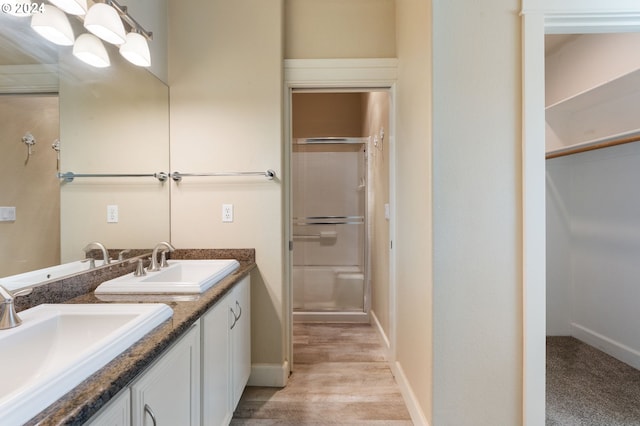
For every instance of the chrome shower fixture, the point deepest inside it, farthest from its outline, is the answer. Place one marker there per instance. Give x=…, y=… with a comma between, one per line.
x=30, y=141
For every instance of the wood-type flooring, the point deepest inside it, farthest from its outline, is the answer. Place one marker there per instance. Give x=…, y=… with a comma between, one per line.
x=340, y=377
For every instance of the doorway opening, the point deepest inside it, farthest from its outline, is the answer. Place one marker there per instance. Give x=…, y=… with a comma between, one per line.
x=592, y=158
x=339, y=203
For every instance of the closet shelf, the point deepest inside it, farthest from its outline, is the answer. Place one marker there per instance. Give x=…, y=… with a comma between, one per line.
x=606, y=111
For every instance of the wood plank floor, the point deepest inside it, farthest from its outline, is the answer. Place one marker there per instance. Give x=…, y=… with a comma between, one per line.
x=340, y=377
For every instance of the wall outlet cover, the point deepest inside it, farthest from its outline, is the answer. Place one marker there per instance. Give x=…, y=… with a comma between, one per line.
x=7, y=214
x=227, y=212
x=112, y=213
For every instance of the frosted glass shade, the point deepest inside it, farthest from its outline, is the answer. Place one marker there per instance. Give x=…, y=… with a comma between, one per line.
x=136, y=50
x=89, y=49
x=103, y=20
x=53, y=25
x=72, y=7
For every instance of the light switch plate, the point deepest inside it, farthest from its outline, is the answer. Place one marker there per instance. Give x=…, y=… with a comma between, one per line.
x=7, y=214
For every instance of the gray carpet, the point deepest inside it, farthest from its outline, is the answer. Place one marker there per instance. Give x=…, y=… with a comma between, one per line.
x=588, y=387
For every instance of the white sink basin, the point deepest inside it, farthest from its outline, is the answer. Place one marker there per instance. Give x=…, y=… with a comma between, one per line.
x=181, y=276
x=58, y=346
x=30, y=278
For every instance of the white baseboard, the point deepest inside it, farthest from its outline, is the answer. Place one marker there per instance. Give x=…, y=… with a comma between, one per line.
x=607, y=345
x=417, y=416
x=270, y=375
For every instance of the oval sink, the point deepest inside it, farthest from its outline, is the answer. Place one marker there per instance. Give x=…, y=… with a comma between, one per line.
x=58, y=346
x=181, y=276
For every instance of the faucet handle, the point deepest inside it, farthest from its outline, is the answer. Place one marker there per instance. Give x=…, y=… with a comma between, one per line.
x=163, y=259
x=8, y=316
x=139, y=272
x=122, y=253
x=91, y=260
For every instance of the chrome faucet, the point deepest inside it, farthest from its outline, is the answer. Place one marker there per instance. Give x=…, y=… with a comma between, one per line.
x=99, y=246
x=8, y=316
x=162, y=246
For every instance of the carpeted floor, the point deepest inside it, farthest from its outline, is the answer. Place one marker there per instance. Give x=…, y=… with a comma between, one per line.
x=588, y=387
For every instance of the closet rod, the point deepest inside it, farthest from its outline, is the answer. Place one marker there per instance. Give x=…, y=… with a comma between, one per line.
x=593, y=147
x=70, y=176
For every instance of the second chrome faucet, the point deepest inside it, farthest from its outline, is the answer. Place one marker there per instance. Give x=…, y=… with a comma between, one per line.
x=160, y=247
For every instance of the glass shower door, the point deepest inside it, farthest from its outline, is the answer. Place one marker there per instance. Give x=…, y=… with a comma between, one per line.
x=329, y=226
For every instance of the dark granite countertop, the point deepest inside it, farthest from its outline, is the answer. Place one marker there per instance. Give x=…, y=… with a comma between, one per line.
x=77, y=406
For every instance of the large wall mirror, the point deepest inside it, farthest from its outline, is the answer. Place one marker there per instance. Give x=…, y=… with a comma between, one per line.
x=60, y=115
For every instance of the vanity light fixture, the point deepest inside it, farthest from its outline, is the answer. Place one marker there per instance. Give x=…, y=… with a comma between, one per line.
x=72, y=7
x=89, y=49
x=53, y=25
x=136, y=50
x=104, y=21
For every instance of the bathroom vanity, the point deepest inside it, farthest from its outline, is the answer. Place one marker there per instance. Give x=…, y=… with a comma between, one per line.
x=190, y=370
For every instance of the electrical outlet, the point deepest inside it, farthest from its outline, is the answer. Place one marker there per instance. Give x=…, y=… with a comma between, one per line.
x=227, y=212
x=7, y=214
x=112, y=213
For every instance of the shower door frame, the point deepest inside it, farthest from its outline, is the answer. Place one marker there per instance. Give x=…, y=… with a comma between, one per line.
x=335, y=75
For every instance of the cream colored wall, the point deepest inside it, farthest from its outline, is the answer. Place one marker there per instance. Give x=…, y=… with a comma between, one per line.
x=225, y=63
x=413, y=244
x=339, y=29
x=571, y=70
x=376, y=117
x=477, y=284
x=326, y=114
x=29, y=184
x=112, y=121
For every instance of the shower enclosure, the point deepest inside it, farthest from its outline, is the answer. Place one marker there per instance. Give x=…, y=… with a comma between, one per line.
x=329, y=225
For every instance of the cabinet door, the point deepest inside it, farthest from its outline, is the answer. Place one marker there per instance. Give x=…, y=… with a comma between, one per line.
x=168, y=393
x=240, y=339
x=116, y=413
x=216, y=375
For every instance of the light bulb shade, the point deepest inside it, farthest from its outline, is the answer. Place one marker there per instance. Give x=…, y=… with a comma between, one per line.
x=17, y=8
x=72, y=7
x=53, y=25
x=103, y=20
x=136, y=50
x=89, y=49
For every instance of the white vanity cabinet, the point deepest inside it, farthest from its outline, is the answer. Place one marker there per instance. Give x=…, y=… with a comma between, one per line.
x=116, y=413
x=240, y=327
x=226, y=354
x=168, y=393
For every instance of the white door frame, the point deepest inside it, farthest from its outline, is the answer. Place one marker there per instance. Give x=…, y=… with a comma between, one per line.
x=347, y=74
x=551, y=17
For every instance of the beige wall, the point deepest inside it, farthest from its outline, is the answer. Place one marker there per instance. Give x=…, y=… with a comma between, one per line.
x=226, y=113
x=29, y=184
x=477, y=287
x=376, y=118
x=112, y=120
x=326, y=114
x=339, y=29
x=414, y=345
